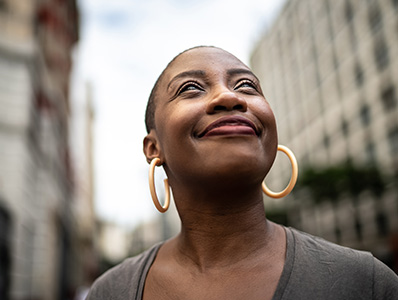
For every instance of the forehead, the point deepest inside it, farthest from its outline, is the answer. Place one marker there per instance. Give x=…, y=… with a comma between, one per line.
x=206, y=59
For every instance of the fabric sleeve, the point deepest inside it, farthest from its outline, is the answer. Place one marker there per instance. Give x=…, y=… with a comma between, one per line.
x=385, y=282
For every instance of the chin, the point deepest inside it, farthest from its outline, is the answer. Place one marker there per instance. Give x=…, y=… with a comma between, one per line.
x=240, y=167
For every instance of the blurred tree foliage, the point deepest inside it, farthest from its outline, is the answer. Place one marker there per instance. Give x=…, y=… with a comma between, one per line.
x=332, y=182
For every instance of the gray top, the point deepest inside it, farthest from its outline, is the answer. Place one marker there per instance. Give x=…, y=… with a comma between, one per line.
x=314, y=269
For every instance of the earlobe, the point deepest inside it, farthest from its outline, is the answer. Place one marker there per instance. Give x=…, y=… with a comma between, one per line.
x=151, y=146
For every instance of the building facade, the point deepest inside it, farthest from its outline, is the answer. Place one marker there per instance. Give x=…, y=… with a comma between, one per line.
x=38, y=234
x=330, y=72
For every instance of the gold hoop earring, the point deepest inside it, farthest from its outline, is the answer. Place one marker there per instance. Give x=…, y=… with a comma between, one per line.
x=156, y=162
x=293, y=179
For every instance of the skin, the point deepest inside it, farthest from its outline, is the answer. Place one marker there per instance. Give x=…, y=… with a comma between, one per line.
x=226, y=249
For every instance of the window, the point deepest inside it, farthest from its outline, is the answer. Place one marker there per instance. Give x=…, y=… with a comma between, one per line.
x=381, y=54
x=5, y=255
x=395, y=4
x=375, y=18
x=370, y=153
x=344, y=127
x=364, y=115
x=3, y=5
x=359, y=76
x=349, y=13
x=393, y=140
x=382, y=225
x=389, y=99
x=326, y=141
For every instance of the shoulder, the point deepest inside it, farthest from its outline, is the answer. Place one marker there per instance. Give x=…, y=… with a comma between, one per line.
x=340, y=272
x=385, y=282
x=124, y=280
x=324, y=251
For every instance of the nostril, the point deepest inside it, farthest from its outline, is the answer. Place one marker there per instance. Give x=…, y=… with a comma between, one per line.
x=226, y=101
x=238, y=107
x=219, y=107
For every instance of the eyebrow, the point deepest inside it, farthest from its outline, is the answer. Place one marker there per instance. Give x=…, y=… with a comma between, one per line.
x=191, y=73
x=241, y=71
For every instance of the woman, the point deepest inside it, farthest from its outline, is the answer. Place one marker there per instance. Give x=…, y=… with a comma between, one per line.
x=211, y=128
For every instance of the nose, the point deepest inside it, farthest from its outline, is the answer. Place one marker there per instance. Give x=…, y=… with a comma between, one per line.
x=226, y=100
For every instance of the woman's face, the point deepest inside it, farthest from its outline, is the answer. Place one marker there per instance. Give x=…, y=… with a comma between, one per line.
x=212, y=120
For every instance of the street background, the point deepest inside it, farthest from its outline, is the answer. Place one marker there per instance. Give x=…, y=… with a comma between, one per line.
x=75, y=76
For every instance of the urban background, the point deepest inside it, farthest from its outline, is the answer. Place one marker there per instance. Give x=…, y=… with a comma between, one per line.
x=330, y=71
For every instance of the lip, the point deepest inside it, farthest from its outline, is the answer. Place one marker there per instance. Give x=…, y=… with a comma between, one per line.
x=230, y=125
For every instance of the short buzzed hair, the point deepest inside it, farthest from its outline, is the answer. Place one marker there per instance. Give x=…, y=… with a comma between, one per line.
x=151, y=105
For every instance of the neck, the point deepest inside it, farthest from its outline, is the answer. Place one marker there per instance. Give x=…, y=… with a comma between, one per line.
x=221, y=228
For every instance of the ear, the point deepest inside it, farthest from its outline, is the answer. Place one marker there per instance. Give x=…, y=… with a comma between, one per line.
x=151, y=146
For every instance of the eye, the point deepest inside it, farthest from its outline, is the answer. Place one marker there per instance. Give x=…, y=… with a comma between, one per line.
x=246, y=84
x=189, y=86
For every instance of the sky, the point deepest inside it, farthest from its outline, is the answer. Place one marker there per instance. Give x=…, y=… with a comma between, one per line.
x=124, y=45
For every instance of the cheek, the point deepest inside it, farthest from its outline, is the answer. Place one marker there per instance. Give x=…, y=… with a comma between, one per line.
x=269, y=137
x=175, y=125
x=264, y=113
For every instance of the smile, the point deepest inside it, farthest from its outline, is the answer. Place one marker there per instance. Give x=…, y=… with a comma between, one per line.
x=230, y=125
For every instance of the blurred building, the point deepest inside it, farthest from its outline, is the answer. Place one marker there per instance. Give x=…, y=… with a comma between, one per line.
x=39, y=239
x=82, y=206
x=330, y=72
x=113, y=243
x=156, y=230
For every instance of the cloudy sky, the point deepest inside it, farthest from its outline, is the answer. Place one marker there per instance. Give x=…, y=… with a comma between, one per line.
x=123, y=47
